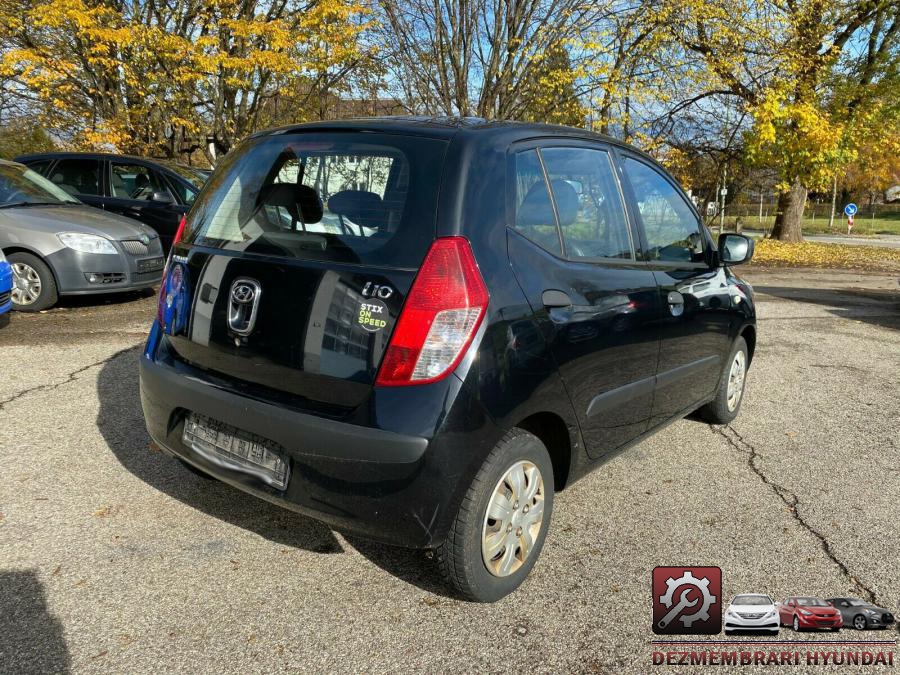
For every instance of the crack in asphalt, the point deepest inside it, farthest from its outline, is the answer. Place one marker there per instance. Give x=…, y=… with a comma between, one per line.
x=792, y=501
x=55, y=385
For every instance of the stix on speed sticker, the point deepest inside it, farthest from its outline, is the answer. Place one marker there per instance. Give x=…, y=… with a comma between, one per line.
x=373, y=315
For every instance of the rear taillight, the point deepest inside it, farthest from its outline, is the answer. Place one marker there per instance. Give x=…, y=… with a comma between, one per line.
x=180, y=231
x=443, y=311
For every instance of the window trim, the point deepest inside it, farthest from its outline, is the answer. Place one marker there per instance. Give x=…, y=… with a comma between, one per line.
x=540, y=144
x=645, y=242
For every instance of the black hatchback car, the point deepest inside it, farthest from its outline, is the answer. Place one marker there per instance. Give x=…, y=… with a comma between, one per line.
x=157, y=194
x=419, y=330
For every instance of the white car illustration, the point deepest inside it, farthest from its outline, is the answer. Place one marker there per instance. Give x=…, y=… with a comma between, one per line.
x=751, y=612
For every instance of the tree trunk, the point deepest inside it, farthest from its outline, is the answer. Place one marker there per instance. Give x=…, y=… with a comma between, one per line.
x=789, y=220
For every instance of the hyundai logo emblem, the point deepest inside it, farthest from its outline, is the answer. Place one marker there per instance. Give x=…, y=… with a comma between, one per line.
x=242, y=293
x=245, y=294
x=144, y=239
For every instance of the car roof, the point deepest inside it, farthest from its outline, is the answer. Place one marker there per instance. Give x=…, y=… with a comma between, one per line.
x=472, y=129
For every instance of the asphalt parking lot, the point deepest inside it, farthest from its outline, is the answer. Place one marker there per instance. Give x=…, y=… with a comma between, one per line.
x=114, y=558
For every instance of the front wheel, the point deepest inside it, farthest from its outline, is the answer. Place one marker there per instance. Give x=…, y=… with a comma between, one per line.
x=502, y=522
x=34, y=288
x=727, y=403
x=796, y=625
x=859, y=622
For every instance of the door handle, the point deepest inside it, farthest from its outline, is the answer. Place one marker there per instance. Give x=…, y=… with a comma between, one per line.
x=555, y=299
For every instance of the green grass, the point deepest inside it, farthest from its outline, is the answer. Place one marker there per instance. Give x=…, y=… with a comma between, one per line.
x=887, y=224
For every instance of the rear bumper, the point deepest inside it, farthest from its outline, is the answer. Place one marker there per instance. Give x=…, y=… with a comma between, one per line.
x=397, y=488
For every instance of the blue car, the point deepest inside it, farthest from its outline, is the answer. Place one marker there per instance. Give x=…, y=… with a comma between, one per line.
x=6, y=282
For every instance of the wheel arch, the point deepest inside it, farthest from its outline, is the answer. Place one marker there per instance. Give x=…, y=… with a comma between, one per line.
x=748, y=332
x=18, y=248
x=553, y=432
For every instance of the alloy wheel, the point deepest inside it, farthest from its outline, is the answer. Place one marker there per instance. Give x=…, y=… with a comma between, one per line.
x=736, y=380
x=26, y=284
x=859, y=623
x=796, y=624
x=513, y=519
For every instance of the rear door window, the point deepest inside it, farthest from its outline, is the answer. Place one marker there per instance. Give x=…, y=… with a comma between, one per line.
x=78, y=176
x=344, y=197
x=135, y=181
x=590, y=208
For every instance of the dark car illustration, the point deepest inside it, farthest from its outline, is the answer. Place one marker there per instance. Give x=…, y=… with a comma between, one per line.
x=861, y=614
x=807, y=613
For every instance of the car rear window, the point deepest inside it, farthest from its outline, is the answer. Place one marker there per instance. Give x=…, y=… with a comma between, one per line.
x=342, y=197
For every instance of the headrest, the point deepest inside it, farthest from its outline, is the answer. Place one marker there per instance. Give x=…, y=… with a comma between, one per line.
x=567, y=203
x=301, y=201
x=363, y=208
x=536, y=208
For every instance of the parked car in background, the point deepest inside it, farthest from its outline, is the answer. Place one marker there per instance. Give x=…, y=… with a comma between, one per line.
x=806, y=613
x=752, y=612
x=58, y=246
x=6, y=282
x=154, y=192
x=861, y=614
x=417, y=331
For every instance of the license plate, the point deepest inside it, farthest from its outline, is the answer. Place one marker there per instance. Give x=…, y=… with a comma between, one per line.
x=235, y=449
x=150, y=264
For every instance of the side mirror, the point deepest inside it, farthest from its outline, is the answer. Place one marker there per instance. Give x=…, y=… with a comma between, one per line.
x=163, y=197
x=735, y=249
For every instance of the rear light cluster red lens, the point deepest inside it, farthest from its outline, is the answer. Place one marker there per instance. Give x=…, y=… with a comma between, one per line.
x=444, y=308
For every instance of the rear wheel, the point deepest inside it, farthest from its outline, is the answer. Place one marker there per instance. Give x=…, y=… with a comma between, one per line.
x=502, y=522
x=727, y=403
x=34, y=287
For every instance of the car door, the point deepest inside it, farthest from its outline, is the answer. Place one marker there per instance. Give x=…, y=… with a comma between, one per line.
x=786, y=611
x=81, y=177
x=697, y=309
x=572, y=249
x=139, y=191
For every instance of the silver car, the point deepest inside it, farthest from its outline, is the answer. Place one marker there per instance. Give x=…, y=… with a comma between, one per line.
x=58, y=246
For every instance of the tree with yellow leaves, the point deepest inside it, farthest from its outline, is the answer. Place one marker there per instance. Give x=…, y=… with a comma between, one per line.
x=153, y=78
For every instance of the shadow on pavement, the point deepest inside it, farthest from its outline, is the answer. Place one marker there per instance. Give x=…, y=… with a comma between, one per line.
x=31, y=638
x=98, y=299
x=121, y=422
x=876, y=307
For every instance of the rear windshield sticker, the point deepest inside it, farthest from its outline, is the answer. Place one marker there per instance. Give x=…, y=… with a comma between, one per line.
x=373, y=314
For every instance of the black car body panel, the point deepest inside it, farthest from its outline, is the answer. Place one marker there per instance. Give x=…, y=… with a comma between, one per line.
x=101, y=191
x=393, y=462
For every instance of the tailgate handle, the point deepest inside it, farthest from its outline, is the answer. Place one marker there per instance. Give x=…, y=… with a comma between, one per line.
x=552, y=298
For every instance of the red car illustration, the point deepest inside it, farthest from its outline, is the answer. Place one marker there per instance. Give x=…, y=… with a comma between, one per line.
x=805, y=613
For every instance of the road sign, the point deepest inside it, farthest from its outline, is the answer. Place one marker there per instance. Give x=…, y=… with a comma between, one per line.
x=850, y=209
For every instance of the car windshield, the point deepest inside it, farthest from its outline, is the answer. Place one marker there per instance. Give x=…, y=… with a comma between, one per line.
x=752, y=600
x=194, y=176
x=811, y=602
x=20, y=186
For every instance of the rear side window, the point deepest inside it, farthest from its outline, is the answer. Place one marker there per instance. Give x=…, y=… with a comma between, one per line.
x=534, y=210
x=672, y=229
x=77, y=176
x=591, y=214
x=343, y=197
x=135, y=181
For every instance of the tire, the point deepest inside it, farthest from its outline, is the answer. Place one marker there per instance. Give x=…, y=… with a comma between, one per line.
x=860, y=619
x=718, y=411
x=796, y=624
x=33, y=268
x=460, y=557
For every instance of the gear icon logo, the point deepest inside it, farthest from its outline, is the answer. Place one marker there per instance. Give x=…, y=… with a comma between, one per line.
x=687, y=600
